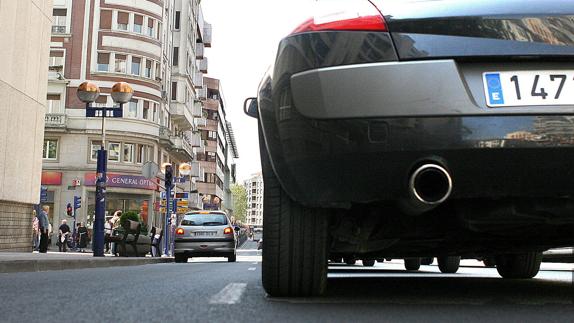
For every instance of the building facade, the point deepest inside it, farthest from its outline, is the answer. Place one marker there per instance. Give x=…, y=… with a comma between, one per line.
x=134, y=41
x=218, y=160
x=254, y=210
x=25, y=40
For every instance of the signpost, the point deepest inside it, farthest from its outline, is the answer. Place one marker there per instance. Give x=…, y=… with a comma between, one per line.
x=43, y=194
x=88, y=93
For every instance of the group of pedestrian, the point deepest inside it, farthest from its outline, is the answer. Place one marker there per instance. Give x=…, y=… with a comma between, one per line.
x=42, y=229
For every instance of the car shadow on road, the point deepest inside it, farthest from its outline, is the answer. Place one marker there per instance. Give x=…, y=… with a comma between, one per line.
x=424, y=288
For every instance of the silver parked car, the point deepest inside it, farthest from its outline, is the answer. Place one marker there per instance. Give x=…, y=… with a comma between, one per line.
x=205, y=234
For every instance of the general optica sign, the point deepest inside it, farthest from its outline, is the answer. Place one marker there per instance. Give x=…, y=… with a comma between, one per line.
x=51, y=178
x=118, y=180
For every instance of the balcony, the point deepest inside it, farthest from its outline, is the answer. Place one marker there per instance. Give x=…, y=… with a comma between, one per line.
x=58, y=29
x=196, y=170
x=203, y=64
x=55, y=120
x=207, y=31
x=198, y=80
x=182, y=146
x=197, y=109
x=199, y=50
x=196, y=140
x=165, y=137
x=200, y=122
x=202, y=93
x=199, y=150
x=181, y=115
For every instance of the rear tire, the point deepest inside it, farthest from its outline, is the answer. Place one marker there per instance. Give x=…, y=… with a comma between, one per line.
x=350, y=261
x=180, y=258
x=412, y=263
x=295, y=253
x=232, y=258
x=368, y=262
x=519, y=266
x=449, y=264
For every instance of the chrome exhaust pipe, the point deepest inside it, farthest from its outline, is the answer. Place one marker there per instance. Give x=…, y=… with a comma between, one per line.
x=430, y=184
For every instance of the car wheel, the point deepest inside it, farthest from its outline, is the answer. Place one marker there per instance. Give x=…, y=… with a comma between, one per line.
x=368, y=262
x=180, y=258
x=350, y=261
x=295, y=253
x=232, y=258
x=519, y=266
x=448, y=265
x=412, y=263
x=427, y=261
x=337, y=260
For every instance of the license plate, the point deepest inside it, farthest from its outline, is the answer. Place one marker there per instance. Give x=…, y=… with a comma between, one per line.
x=205, y=233
x=527, y=88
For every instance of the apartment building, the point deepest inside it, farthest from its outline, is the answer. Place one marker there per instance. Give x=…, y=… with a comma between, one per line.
x=254, y=210
x=24, y=55
x=218, y=160
x=150, y=44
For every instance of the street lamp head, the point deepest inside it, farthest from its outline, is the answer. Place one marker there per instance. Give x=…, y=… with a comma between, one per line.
x=88, y=92
x=122, y=92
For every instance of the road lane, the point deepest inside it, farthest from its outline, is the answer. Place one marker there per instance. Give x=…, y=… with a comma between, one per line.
x=213, y=290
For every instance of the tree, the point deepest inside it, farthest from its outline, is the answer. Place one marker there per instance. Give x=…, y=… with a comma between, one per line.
x=239, y=201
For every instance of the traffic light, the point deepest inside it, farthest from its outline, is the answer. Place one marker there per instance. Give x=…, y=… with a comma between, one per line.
x=77, y=202
x=69, y=209
x=168, y=176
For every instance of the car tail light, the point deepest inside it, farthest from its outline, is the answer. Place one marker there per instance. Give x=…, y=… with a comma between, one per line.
x=349, y=16
x=227, y=230
x=179, y=231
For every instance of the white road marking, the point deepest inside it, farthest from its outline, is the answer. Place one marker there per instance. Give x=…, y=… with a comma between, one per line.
x=251, y=268
x=231, y=294
x=255, y=263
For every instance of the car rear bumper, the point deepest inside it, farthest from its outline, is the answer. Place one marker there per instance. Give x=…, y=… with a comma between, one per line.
x=429, y=88
x=356, y=139
x=205, y=248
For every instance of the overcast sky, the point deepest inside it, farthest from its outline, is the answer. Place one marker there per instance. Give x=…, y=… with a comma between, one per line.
x=245, y=37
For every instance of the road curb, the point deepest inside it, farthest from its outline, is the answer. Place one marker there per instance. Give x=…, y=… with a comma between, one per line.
x=36, y=265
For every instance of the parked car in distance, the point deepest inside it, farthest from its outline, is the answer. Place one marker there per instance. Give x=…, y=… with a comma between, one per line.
x=205, y=234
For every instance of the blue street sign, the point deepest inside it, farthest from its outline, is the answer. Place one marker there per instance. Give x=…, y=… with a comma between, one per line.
x=182, y=179
x=43, y=194
x=98, y=112
x=77, y=202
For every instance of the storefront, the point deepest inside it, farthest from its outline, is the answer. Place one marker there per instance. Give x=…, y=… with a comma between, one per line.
x=125, y=193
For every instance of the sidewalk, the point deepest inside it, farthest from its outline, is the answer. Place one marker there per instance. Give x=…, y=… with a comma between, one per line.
x=11, y=262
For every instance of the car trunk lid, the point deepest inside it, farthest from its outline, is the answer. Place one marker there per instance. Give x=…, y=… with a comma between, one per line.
x=476, y=28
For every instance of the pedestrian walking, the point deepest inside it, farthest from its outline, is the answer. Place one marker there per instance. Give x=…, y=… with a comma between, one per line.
x=63, y=235
x=35, y=231
x=44, y=227
x=83, y=237
x=115, y=222
x=107, y=234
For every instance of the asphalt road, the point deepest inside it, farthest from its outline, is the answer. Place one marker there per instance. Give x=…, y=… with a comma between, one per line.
x=212, y=290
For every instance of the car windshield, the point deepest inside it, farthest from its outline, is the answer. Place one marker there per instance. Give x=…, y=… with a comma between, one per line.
x=211, y=219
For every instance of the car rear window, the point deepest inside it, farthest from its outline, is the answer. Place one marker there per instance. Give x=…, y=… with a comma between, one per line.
x=211, y=219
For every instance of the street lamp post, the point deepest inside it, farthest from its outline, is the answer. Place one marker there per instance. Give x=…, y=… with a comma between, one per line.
x=88, y=93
